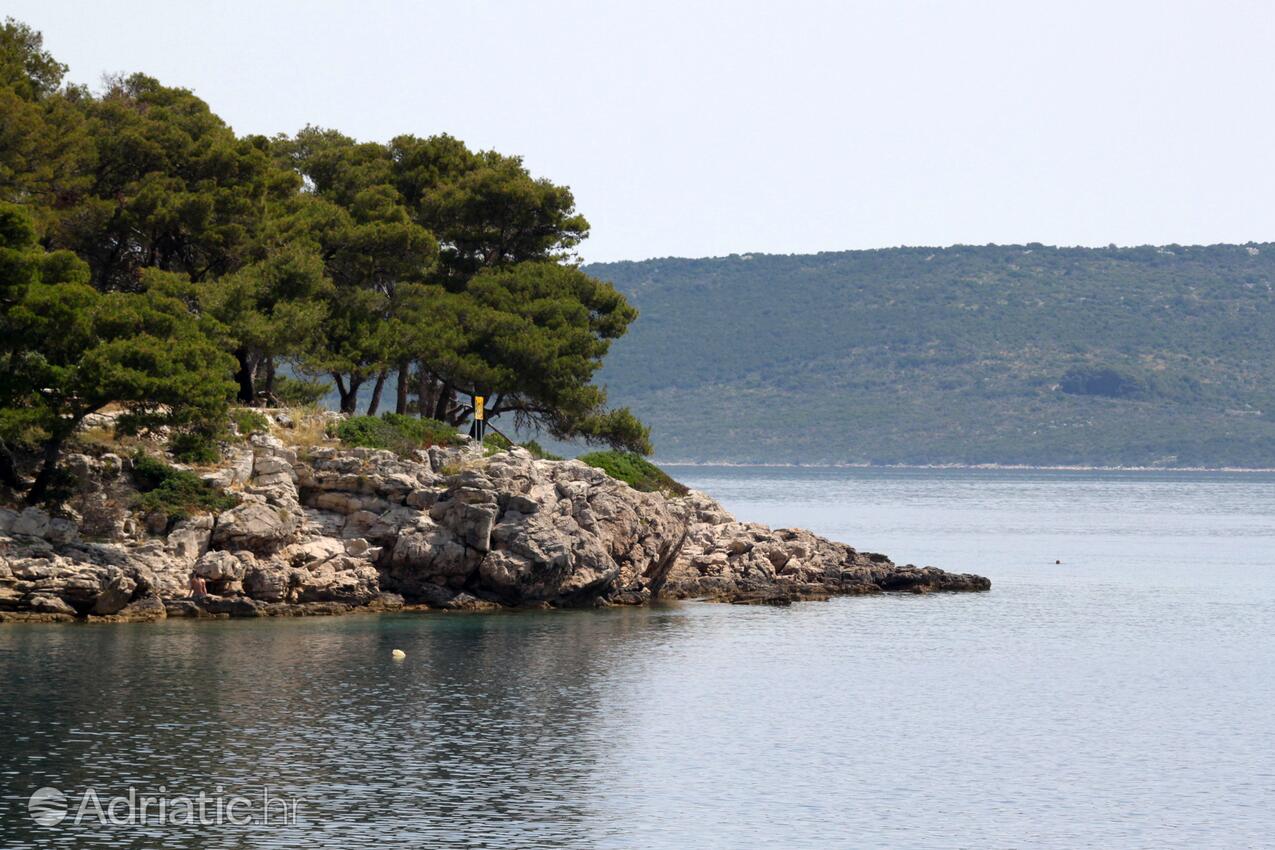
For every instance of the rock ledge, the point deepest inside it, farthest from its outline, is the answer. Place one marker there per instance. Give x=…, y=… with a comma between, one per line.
x=329, y=531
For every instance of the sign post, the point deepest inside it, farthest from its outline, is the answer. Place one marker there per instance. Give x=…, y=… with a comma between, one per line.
x=479, y=427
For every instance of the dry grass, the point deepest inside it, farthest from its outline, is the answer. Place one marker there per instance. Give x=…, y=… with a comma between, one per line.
x=105, y=440
x=463, y=464
x=310, y=429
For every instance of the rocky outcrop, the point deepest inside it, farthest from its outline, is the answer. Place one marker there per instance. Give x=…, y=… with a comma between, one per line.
x=748, y=562
x=63, y=582
x=255, y=527
x=334, y=530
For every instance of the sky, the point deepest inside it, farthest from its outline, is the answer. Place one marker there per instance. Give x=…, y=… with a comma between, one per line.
x=705, y=129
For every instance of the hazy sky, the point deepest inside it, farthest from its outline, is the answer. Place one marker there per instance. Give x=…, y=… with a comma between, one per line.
x=698, y=129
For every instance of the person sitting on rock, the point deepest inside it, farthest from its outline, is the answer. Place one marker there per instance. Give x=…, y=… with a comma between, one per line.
x=198, y=588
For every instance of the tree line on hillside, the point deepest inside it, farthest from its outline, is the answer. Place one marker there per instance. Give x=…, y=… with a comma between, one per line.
x=152, y=259
x=966, y=354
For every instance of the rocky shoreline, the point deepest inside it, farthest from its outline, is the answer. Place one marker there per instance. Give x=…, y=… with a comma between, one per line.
x=329, y=530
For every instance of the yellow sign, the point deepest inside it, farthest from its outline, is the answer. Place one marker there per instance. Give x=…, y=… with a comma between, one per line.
x=478, y=407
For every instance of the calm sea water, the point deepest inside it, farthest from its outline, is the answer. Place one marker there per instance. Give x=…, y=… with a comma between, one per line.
x=1124, y=698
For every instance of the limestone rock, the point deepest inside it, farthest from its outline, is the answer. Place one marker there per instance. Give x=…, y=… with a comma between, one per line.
x=47, y=603
x=220, y=566
x=233, y=606
x=469, y=520
x=333, y=530
x=255, y=527
x=190, y=538
x=114, y=594
x=314, y=549
x=32, y=522
x=270, y=581
x=340, y=579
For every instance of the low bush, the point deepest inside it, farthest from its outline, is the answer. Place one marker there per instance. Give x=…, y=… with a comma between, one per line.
x=176, y=493
x=396, y=432
x=636, y=471
x=198, y=447
x=494, y=443
x=249, y=422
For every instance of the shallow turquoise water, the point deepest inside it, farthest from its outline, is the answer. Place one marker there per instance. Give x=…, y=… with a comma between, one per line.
x=1122, y=699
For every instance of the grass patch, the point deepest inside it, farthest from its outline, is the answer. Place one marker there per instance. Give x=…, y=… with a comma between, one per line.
x=176, y=493
x=99, y=439
x=249, y=422
x=396, y=432
x=310, y=428
x=636, y=471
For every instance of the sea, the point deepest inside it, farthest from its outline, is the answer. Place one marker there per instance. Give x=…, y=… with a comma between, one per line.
x=1114, y=689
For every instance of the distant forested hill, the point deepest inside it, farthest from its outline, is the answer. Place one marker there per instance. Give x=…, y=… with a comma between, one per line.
x=998, y=354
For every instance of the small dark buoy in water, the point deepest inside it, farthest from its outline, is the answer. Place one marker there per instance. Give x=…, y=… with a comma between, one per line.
x=1057, y=562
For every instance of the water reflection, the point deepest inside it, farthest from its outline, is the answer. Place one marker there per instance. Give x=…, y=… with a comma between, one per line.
x=488, y=728
x=1120, y=699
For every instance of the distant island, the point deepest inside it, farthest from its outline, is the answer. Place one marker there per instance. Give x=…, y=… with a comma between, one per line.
x=1014, y=354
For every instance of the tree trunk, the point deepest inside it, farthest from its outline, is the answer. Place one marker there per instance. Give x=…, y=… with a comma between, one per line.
x=52, y=449
x=349, y=397
x=247, y=386
x=440, y=407
x=8, y=468
x=375, y=403
x=400, y=401
x=269, y=388
x=425, y=392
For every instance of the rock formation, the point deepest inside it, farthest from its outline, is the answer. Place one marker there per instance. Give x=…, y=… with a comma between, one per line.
x=329, y=530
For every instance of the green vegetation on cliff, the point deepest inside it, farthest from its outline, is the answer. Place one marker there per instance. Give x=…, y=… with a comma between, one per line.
x=998, y=354
x=636, y=471
x=401, y=434
x=153, y=260
x=175, y=493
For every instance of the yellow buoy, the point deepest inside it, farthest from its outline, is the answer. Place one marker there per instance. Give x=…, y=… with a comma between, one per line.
x=398, y=654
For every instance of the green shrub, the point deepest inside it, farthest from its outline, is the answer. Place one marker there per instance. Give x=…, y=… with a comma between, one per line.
x=176, y=493
x=497, y=441
x=363, y=431
x=298, y=392
x=396, y=432
x=249, y=422
x=636, y=471
x=63, y=486
x=199, y=447
x=494, y=443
